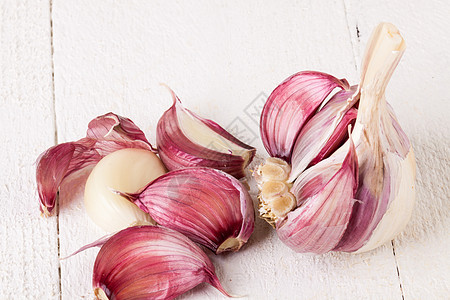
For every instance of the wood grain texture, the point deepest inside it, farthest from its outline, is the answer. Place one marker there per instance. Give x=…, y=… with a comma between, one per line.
x=219, y=57
x=28, y=242
x=418, y=93
x=223, y=59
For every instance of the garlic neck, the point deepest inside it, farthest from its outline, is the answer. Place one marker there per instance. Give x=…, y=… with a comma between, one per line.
x=384, y=50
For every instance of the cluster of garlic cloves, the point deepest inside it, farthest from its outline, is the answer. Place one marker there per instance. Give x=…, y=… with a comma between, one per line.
x=189, y=185
x=354, y=190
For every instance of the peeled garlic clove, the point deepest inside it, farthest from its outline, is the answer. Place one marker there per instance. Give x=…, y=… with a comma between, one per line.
x=290, y=106
x=209, y=206
x=318, y=224
x=325, y=132
x=105, y=135
x=126, y=170
x=187, y=140
x=387, y=165
x=150, y=262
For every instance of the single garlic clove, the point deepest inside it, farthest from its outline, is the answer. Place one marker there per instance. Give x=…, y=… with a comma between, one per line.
x=187, y=140
x=387, y=165
x=290, y=106
x=150, y=262
x=325, y=132
x=207, y=205
x=127, y=170
x=106, y=134
x=318, y=224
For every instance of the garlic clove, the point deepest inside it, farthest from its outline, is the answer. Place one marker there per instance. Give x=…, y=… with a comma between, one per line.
x=387, y=165
x=319, y=222
x=150, y=262
x=325, y=132
x=127, y=170
x=207, y=205
x=187, y=140
x=290, y=106
x=105, y=135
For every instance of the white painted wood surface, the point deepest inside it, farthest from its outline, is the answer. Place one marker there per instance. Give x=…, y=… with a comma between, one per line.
x=219, y=57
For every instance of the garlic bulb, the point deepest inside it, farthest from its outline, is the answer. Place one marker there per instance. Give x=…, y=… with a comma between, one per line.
x=187, y=140
x=207, y=205
x=150, y=262
x=348, y=197
x=127, y=170
x=105, y=134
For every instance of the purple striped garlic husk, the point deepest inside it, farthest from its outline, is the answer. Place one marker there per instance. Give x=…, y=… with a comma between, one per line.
x=324, y=132
x=105, y=134
x=177, y=151
x=325, y=195
x=150, y=262
x=207, y=205
x=290, y=106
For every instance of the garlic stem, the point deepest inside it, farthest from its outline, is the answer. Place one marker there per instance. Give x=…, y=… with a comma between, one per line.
x=383, y=53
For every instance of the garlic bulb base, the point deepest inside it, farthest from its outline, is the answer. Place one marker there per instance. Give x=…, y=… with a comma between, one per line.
x=275, y=200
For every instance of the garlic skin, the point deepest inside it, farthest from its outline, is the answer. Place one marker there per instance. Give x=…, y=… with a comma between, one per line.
x=105, y=134
x=387, y=164
x=290, y=106
x=324, y=132
x=150, y=262
x=187, y=140
x=326, y=196
x=127, y=170
x=207, y=205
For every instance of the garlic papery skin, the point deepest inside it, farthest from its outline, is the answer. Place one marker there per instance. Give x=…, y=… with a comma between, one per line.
x=387, y=165
x=324, y=132
x=207, y=205
x=150, y=262
x=326, y=197
x=187, y=140
x=105, y=134
x=290, y=106
x=127, y=170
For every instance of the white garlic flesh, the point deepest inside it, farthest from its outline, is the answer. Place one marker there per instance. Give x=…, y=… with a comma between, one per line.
x=128, y=171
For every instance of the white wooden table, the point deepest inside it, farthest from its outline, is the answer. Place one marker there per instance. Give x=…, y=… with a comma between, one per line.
x=65, y=62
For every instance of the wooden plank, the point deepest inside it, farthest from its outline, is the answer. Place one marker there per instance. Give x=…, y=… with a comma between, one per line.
x=28, y=242
x=221, y=58
x=418, y=93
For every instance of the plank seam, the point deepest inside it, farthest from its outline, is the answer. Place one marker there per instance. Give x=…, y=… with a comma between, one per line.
x=56, y=142
x=354, y=48
x=350, y=35
x=398, y=270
